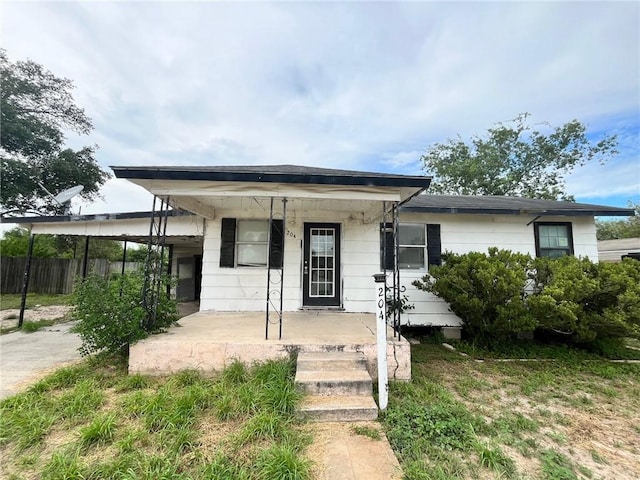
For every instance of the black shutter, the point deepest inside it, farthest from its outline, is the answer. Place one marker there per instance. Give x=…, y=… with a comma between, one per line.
x=228, y=244
x=276, y=247
x=386, y=241
x=434, y=248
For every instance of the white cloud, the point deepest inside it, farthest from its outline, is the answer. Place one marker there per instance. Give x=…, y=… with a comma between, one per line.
x=346, y=85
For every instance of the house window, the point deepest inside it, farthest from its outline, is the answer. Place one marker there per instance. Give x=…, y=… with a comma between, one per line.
x=553, y=240
x=245, y=243
x=418, y=246
x=252, y=242
x=412, y=244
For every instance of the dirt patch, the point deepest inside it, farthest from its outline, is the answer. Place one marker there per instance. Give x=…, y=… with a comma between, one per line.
x=594, y=430
x=9, y=318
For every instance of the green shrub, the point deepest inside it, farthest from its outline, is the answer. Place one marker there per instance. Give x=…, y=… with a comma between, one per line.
x=486, y=291
x=500, y=294
x=585, y=300
x=111, y=314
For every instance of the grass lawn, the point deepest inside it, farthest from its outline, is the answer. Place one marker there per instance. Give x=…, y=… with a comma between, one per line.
x=8, y=301
x=92, y=421
x=570, y=418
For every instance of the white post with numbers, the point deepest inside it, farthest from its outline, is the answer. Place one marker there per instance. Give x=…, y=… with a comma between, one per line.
x=381, y=334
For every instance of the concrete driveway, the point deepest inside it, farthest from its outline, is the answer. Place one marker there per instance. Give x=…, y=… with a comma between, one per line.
x=25, y=357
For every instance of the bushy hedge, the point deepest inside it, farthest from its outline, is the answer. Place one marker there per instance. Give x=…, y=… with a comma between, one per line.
x=500, y=294
x=111, y=314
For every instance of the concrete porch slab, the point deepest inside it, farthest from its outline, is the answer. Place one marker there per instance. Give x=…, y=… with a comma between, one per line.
x=210, y=340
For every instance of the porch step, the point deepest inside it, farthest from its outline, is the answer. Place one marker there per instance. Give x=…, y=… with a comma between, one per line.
x=337, y=385
x=334, y=382
x=331, y=361
x=343, y=408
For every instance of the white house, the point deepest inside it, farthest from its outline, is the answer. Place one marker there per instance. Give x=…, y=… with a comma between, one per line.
x=325, y=232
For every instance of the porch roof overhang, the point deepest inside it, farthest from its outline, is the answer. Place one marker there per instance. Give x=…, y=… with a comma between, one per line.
x=182, y=227
x=200, y=189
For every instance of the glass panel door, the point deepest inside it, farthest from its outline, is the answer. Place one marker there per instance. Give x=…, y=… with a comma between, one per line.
x=321, y=274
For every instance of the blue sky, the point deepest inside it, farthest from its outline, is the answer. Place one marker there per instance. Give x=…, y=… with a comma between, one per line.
x=346, y=85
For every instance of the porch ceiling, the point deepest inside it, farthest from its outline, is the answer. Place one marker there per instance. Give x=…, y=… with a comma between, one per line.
x=207, y=206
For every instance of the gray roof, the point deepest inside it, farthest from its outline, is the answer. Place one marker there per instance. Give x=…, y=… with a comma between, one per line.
x=491, y=204
x=97, y=217
x=273, y=173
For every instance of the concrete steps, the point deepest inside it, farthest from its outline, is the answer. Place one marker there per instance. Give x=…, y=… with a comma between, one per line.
x=337, y=385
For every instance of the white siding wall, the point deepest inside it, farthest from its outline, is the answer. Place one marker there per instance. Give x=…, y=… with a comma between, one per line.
x=469, y=233
x=244, y=289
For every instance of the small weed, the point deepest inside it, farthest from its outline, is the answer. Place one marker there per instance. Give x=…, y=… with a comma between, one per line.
x=132, y=382
x=99, y=431
x=63, y=466
x=556, y=466
x=559, y=438
x=29, y=327
x=128, y=441
x=25, y=419
x=223, y=468
x=584, y=471
x=81, y=401
x=599, y=459
x=63, y=378
x=282, y=462
x=264, y=425
x=366, y=431
x=494, y=459
x=235, y=374
x=514, y=424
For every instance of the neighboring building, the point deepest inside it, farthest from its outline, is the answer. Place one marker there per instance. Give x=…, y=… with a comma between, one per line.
x=331, y=239
x=614, y=250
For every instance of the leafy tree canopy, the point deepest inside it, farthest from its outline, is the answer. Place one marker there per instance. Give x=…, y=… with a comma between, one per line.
x=515, y=159
x=36, y=110
x=614, y=229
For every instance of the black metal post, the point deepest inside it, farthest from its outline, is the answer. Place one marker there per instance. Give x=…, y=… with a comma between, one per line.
x=124, y=262
x=124, y=257
x=266, y=323
x=85, y=261
x=284, y=240
x=25, y=281
x=170, y=270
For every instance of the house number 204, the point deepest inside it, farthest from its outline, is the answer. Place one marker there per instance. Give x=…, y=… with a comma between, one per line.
x=291, y=234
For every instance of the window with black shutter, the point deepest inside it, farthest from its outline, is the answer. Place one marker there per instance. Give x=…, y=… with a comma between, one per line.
x=245, y=243
x=419, y=246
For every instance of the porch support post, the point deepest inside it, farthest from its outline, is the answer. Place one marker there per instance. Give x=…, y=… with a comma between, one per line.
x=381, y=335
x=170, y=270
x=85, y=261
x=124, y=257
x=25, y=280
x=124, y=262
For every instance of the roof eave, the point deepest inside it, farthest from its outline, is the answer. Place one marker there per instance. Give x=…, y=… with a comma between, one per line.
x=88, y=218
x=130, y=173
x=506, y=211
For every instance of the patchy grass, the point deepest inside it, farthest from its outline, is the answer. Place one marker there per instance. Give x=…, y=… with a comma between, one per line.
x=8, y=301
x=529, y=349
x=93, y=421
x=572, y=417
x=366, y=431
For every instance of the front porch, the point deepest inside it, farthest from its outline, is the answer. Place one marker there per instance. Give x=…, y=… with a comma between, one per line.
x=210, y=340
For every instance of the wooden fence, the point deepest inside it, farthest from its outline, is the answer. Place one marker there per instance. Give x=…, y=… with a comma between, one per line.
x=48, y=275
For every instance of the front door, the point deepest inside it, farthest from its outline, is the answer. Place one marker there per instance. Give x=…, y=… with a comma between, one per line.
x=321, y=265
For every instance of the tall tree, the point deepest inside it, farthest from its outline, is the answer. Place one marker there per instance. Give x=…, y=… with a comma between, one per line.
x=614, y=229
x=36, y=110
x=515, y=159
